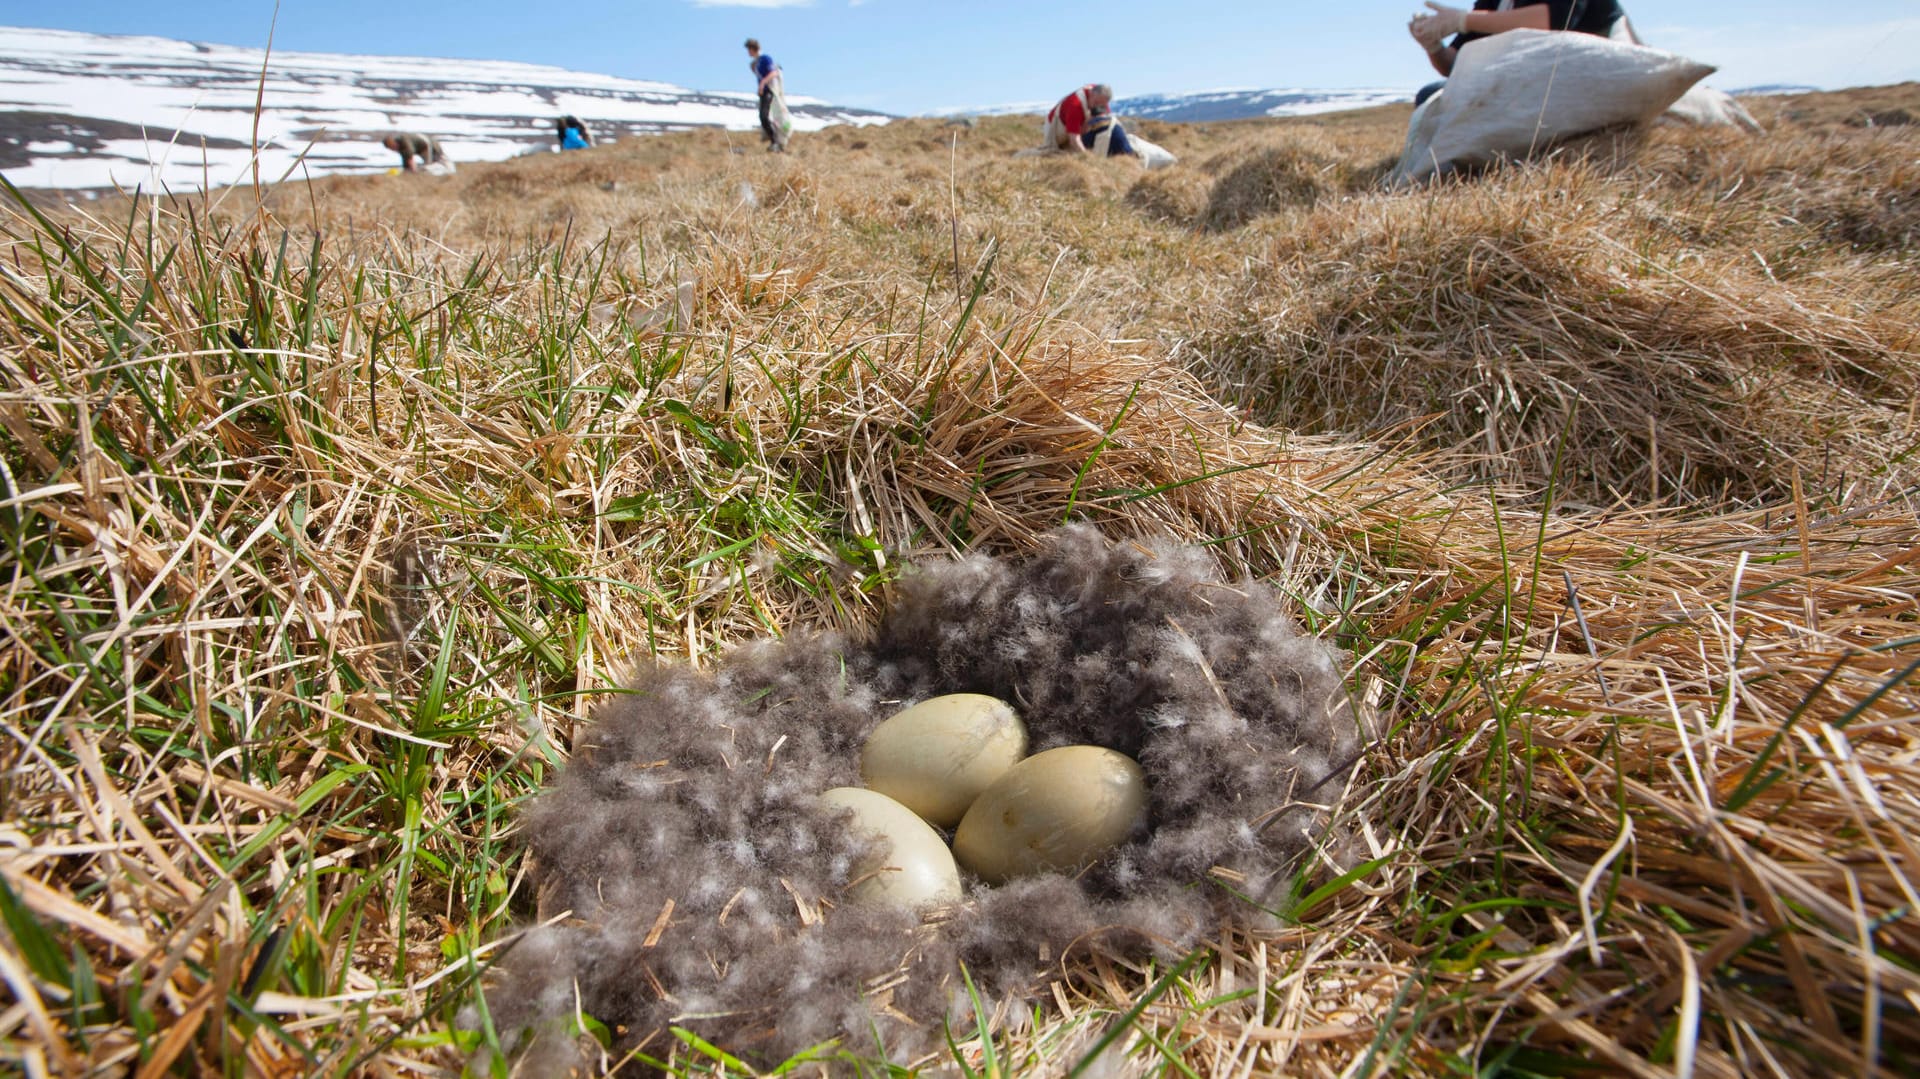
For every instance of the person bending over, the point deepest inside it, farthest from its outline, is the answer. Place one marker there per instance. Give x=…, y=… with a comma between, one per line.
x=410, y=145
x=1490, y=17
x=1066, y=123
x=573, y=134
x=1104, y=123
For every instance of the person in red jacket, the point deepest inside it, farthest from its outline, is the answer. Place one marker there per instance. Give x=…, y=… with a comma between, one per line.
x=1067, y=121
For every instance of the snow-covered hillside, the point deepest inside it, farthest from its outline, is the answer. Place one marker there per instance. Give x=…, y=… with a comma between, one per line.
x=87, y=110
x=1247, y=104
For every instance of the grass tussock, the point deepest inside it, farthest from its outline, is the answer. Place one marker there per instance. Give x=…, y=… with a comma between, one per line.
x=1551, y=327
x=330, y=515
x=1296, y=173
x=1170, y=196
x=1858, y=190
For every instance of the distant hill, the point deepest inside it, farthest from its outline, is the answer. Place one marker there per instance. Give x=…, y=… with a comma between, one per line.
x=1248, y=104
x=1219, y=104
x=89, y=111
x=1774, y=90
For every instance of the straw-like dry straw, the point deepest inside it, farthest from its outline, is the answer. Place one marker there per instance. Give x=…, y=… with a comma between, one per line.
x=321, y=549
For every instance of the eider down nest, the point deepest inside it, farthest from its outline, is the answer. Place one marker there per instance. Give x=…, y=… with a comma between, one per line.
x=705, y=882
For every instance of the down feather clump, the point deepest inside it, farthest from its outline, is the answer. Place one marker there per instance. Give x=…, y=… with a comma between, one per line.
x=703, y=879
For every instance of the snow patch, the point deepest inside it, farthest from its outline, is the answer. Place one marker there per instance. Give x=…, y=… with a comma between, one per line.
x=324, y=113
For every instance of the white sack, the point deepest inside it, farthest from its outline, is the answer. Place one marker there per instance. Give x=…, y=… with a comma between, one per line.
x=1419, y=137
x=1516, y=93
x=1703, y=106
x=1150, y=155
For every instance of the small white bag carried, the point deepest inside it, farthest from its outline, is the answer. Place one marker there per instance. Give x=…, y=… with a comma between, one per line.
x=778, y=113
x=1514, y=94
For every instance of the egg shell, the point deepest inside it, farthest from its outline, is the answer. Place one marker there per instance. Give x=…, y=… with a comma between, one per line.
x=936, y=757
x=918, y=868
x=1055, y=811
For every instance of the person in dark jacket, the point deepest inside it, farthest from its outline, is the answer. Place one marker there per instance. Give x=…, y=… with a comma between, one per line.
x=573, y=134
x=1489, y=17
x=1104, y=123
x=412, y=144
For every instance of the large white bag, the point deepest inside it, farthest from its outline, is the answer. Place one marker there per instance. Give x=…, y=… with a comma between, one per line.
x=1513, y=94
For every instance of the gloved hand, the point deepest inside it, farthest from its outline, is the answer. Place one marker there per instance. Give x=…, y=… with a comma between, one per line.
x=1445, y=20
x=1430, y=37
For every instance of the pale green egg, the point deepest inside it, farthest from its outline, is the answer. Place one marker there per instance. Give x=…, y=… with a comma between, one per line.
x=917, y=868
x=936, y=757
x=1057, y=811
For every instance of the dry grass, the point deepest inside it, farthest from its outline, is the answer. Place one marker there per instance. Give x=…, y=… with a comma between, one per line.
x=1552, y=318
x=328, y=518
x=1300, y=171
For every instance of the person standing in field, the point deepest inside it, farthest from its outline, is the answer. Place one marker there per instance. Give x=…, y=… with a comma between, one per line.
x=1067, y=122
x=1603, y=18
x=412, y=144
x=775, y=121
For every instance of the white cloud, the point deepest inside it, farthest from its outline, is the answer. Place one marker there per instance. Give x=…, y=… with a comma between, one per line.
x=1829, y=56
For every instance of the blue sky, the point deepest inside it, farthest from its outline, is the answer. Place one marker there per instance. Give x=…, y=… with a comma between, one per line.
x=919, y=55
